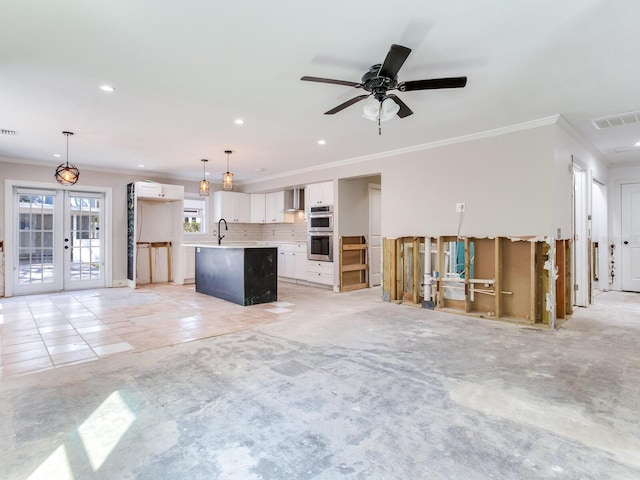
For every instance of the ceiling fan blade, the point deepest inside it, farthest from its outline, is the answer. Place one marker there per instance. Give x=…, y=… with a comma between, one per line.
x=346, y=104
x=404, y=110
x=330, y=80
x=393, y=62
x=432, y=84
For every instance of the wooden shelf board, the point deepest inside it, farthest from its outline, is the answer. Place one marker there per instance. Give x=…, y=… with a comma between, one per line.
x=353, y=246
x=353, y=268
x=356, y=286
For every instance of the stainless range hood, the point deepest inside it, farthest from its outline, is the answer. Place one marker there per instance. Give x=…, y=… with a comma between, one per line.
x=294, y=200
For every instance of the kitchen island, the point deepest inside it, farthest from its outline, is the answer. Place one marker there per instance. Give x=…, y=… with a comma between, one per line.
x=242, y=274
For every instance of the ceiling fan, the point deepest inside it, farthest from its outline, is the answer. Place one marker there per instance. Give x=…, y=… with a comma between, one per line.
x=383, y=78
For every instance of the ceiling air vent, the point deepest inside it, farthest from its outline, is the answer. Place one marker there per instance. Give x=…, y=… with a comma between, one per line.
x=4, y=131
x=617, y=120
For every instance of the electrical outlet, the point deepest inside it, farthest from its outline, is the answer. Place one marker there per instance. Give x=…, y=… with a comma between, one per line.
x=459, y=207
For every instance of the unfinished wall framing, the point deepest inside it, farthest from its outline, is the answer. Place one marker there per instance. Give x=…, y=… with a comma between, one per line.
x=497, y=278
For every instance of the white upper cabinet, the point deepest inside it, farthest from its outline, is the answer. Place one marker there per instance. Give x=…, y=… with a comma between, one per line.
x=269, y=208
x=258, y=212
x=159, y=191
x=234, y=207
x=319, y=194
x=274, y=208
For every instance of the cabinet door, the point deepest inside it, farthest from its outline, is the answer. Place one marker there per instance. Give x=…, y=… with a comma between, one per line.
x=274, y=206
x=189, y=260
x=258, y=208
x=148, y=190
x=300, y=265
x=327, y=193
x=320, y=193
x=172, y=192
x=242, y=208
x=222, y=206
x=234, y=207
x=285, y=263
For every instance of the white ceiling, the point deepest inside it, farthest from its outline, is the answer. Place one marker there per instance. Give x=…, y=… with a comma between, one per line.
x=184, y=71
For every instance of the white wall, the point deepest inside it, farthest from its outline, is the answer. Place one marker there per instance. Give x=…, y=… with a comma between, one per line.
x=503, y=181
x=353, y=218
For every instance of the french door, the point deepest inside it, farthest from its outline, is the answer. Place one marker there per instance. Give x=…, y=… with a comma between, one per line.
x=58, y=240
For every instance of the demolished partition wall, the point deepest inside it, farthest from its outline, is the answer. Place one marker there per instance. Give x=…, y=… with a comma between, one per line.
x=519, y=280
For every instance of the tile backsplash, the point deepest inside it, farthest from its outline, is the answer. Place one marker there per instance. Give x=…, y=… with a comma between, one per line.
x=257, y=232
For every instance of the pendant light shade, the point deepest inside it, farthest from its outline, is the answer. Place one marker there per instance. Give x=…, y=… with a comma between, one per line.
x=204, y=183
x=67, y=174
x=227, y=178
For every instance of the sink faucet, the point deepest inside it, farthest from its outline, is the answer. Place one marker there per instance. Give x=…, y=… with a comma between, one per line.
x=220, y=237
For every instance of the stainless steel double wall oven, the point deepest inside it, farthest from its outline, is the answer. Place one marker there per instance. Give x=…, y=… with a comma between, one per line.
x=320, y=233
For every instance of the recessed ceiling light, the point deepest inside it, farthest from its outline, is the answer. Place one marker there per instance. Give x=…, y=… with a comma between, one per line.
x=239, y=121
x=637, y=144
x=57, y=155
x=207, y=173
x=322, y=142
x=107, y=88
x=258, y=169
x=141, y=166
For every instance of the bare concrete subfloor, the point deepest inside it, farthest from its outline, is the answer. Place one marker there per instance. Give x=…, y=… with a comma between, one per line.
x=343, y=386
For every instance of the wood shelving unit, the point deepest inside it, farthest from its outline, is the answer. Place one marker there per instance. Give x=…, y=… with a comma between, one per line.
x=353, y=263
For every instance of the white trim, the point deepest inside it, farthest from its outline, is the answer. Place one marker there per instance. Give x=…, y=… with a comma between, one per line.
x=9, y=185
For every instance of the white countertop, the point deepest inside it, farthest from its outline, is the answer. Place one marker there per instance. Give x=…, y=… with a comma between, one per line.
x=228, y=245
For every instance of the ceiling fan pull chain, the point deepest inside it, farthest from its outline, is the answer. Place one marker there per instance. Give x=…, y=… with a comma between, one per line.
x=379, y=126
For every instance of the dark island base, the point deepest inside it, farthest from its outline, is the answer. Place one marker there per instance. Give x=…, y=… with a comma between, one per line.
x=246, y=276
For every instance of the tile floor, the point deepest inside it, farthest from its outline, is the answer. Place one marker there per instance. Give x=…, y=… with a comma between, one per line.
x=41, y=332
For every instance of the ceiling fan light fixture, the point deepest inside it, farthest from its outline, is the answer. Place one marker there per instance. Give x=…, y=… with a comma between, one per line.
x=204, y=183
x=227, y=178
x=371, y=110
x=66, y=173
x=388, y=109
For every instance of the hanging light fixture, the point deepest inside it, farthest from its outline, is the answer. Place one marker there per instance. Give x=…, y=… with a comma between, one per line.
x=67, y=174
x=227, y=178
x=204, y=183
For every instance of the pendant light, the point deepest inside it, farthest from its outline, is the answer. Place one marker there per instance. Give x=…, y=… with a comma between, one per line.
x=204, y=183
x=227, y=178
x=67, y=174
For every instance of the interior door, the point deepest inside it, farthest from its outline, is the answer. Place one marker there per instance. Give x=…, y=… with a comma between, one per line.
x=57, y=241
x=630, y=228
x=375, y=236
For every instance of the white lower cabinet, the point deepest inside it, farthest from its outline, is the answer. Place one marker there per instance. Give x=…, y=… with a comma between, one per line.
x=189, y=264
x=292, y=261
x=320, y=272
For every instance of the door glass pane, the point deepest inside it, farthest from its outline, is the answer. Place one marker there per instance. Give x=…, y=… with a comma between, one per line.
x=84, y=238
x=35, y=231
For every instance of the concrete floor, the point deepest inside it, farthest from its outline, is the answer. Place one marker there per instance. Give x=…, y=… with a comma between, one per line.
x=342, y=386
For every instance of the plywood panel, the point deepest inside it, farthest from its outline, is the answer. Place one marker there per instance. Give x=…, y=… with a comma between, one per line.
x=516, y=278
x=483, y=262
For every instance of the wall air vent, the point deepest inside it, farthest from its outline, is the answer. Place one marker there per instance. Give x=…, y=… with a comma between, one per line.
x=617, y=120
x=4, y=131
